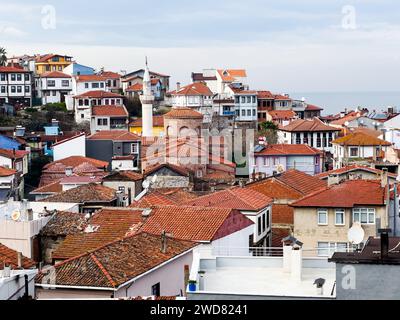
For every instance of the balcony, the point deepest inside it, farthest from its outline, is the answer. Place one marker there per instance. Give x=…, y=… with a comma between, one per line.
x=228, y=113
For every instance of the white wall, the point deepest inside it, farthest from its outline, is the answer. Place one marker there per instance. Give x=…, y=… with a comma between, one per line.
x=72, y=147
x=13, y=287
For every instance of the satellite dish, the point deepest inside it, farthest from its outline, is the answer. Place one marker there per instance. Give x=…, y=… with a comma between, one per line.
x=346, y=123
x=280, y=168
x=356, y=233
x=154, y=179
x=146, y=184
x=16, y=215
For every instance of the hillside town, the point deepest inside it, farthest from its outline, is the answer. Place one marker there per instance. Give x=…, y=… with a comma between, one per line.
x=126, y=186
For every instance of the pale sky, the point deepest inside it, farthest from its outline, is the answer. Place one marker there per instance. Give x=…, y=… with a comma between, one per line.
x=285, y=45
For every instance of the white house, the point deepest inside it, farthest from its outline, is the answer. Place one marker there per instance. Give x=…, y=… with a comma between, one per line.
x=74, y=146
x=109, y=118
x=52, y=87
x=356, y=148
x=15, y=86
x=245, y=104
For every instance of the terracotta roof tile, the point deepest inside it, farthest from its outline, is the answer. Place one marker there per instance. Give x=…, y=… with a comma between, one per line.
x=349, y=169
x=278, y=234
x=152, y=198
x=313, y=125
x=311, y=107
x=118, y=262
x=234, y=198
x=90, y=78
x=99, y=94
x=12, y=70
x=158, y=121
x=110, y=75
x=346, y=195
x=50, y=188
x=288, y=149
x=115, y=135
x=194, y=89
x=301, y=181
x=64, y=223
x=11, y=154
x=75, y=161
x=112, y=223
x=360, y=139
x=86, y=193
x=55, y=74
x=265, y=95
x=282, y=114
x=178, y=221
x=230, y=75
x=183, y=113
x=118, y=111
x=9, y=257
x=123, y=176
x=275, y=189
x=6, y=172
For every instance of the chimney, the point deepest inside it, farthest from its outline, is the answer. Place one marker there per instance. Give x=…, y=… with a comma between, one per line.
x=384, y=178
x=333, y=179
x=287, y=255
x=241, y=183
x=296, y=261
x=129, y=196
x=178, y=86
x=384, y=242
x=69, y=171
x=19, y=260
x=163, y=242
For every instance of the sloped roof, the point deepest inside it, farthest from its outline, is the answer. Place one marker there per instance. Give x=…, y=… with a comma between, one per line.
x=313, y=125
x=158, y=121
x=178, y=221
x=194, y=89
x=112, y=223
x=9, y=257
x=234, y=198
x=13, y=154
x=115, y=135
x=123, y=176
x=183, y=113
x=64, y=223
x=348, y=169
x=110, y=75
x=288, y=149
x=12, y=69
x=360, y=139
x=152, y=198
x=110, y=110
x=301, y=181
x=55, y=74
x=263, y=94
x=311, y=107
x=75, y=161
x=54, y=187
x=282, y=114
x=6, y=172
x=99, y=94
x=83, y=194
x=346, y=195
x=230, y=75
x=118, y=262
x=275, y=189
x=89, y=78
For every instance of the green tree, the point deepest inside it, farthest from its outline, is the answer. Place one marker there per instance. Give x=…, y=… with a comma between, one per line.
x=269, y=130
x=3, y=56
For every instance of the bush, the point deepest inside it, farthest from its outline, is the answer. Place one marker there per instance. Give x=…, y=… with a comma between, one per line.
x=31, y=110
x=59, y=106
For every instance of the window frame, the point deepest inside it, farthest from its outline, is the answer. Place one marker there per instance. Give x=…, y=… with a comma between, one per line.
x=319, y=212
x=343, y=211
x=368, y=212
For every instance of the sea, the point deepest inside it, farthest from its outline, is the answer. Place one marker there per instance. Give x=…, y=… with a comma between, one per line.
x=335, y=102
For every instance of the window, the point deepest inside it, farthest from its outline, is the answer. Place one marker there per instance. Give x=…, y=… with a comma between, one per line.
x=135, y=148
x=318, y=140
x=13, y=89
x=249, y=113
x=86, y=85
x=264, y=221
x=322, y=217
x=19, y=77
x=155, y=290
x=253, y=99
x=107, y=102
x=82, y=116
x=243, y=99
x=3, y=89
x=59, y=68
x=364, y=215
x=259, y=226
x=327, y=249
x=2, y=76
x=27, y=78
x=51, y=83
x=65, y=83
x=121, y=188
x=254, y=112
x=354, y=152
x=102, y=122
x=80, y=102
x=95, y=85
x=266, y=161
x=268, y=213
x=248, y=99
x=298, y=138
x=13, y=77
x=339, y=217
x=243, y=113
x=101, y=84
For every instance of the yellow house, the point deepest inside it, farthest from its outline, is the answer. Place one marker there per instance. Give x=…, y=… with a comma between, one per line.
x=52, y=62
x=158, y=126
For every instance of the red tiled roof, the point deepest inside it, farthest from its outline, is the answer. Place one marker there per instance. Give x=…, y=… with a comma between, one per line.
x=118, y=262
x=352, y=168
x=278, y=234
x=348, y=117
x=360, y=139
x=135, y=87
x=178, y=221
x=115, y=135
x=123, y=176
x=75, y=161
x=99, y=94
x=110, y=75
x=13, y=154
x=282, y=97
x=113, y=224
x=64, y=223
x=51, y=188
x=55, y=74
x=282, y=214
x=265, y=95
x=346, y=195
x=288, y=149
x=90, y=77
x=158, y=121
x=313, y=125
x=9, y=257
x=6, y=172
x=86, y=193
x=118, y=111
x=12, y=70
x=230, y=75
x=152, y=198
x=301, y=181
x=183, y=113
x=311, y=107
x=178, y=195
x=275, y=189
x=282, y=114
x=234, y=198
x=46, y=57
x=194, y=89
x=178, y=169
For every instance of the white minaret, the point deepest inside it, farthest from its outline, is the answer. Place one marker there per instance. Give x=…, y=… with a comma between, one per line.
x=147, y=99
